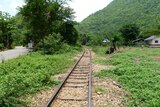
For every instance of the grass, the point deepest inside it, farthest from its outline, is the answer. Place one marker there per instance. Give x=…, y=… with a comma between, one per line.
x=100, y=54
x=139, y=74
x=100, y=90
x=29, y=74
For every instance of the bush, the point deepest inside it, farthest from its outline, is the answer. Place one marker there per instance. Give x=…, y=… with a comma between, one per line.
x=52, y=44
x=1, y=46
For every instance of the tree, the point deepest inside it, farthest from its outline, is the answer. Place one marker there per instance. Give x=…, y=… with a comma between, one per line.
x=84, y=39
x=129, y=33
x=153, y=31
x=19, y=31
x=45, y=17
x=6, y=29
x=69, y=33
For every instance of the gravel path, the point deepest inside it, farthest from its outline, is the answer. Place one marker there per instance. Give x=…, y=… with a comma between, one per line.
x=14, y=53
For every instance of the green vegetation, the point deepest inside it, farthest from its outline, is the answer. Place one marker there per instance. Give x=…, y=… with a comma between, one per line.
x=144, y=13
x=49, y=25
x=100, y=90
x=6, y=30
x=37, y=20
x=137, y=70
x=130, y=33
x=100, y=53
x=47, y=18
x=31, y=73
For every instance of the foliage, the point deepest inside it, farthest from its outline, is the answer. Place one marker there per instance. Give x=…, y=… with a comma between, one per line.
x=1, y=46
x=91, y=40
x=137, y=70
x=155, y=30
x=130, y=33
x=6, y=30
x=29, y=74
x=69, y=33
x=100, y=90
x=100, y=54
x=84, y=39
x=96, y=40
x=144, y=13
x=19, y=31
x=43, y=18
x=52, y=43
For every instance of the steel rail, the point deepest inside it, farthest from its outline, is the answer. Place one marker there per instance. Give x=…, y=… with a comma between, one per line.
x=90, y=84
x=53, y=97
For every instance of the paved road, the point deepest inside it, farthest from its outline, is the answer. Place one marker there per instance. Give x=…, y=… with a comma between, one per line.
x=14, y=53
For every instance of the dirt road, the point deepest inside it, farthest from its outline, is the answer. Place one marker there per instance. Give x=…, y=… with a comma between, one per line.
x=14, y=53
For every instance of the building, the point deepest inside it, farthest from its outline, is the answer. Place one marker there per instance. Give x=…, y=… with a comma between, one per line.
x=153, y=41
x=106, y=41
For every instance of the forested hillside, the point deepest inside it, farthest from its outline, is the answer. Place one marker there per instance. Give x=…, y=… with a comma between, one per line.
x=144, y=13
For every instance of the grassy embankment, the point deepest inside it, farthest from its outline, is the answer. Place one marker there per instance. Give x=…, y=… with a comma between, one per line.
x=137, y=71
x=31, y=73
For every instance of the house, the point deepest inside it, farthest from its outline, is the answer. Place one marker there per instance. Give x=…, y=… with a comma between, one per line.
x=153, y=41
x=106, y=41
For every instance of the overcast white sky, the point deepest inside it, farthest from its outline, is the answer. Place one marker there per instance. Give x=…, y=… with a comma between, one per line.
x=83, y=8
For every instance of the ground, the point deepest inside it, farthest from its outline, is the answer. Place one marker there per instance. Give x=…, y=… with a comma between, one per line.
x=105, y=92
x=127, y=78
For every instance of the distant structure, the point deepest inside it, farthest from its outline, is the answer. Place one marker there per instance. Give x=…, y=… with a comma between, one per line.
x=106, y=40
x=153, y=41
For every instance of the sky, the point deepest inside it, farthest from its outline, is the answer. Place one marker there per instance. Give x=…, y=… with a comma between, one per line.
x=82, y=8
x=10, y=6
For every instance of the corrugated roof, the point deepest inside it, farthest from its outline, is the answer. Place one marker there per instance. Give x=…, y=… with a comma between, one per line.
x=150, y=38
x=106, y=40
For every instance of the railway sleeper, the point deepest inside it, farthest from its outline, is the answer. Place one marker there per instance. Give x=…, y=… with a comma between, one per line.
x=86, y=56
x=68, y=92
x=70, y=103
x=83, y=67
x=77, y=82
x=77, y=69
x=80, y=72
x=83, y=78
x=76, y=86
x=79, y=75
x=81, y=84
x=73, y=99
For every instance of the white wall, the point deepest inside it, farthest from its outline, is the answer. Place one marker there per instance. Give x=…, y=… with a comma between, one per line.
x=153, y=41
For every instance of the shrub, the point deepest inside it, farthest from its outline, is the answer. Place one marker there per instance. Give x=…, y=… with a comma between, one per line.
x=52, y=43
x=1, y=46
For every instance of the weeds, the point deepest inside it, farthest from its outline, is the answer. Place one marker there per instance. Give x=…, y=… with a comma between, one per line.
x=100, y=90
x=139, y=74
x=29, y=74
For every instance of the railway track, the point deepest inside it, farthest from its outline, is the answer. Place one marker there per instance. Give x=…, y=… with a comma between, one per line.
x=75, y=90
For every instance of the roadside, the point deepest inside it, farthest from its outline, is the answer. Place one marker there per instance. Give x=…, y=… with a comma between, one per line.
x=14, y=53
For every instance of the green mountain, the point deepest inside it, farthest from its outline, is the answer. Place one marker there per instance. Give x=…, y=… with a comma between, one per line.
x=108, y=21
